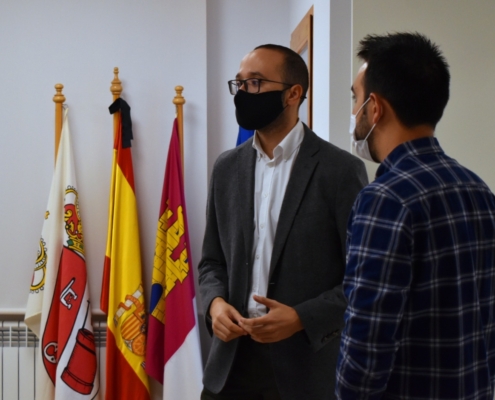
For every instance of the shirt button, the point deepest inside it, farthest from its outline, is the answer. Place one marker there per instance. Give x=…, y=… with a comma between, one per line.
x=257, y=256
x=265, y=195
x=262, y=226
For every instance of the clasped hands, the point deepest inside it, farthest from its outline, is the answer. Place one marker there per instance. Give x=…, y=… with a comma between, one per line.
x=279, y=323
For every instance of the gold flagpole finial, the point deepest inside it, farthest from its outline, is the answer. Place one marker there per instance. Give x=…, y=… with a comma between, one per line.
x=59, y=97
x=59, y=100
x=179, y=99
x=116, y=90
x=116, y=87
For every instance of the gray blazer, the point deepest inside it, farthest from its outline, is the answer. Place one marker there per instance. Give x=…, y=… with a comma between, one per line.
x=307, y=265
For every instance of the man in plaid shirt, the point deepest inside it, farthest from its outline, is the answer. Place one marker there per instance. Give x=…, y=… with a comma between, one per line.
x=420, y=276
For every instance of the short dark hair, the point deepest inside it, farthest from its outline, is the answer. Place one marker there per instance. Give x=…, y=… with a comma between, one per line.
x=410, y=72
x=295, y=70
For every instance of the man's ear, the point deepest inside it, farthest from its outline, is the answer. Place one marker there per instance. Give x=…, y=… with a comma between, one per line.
x=294, y=95
x=376, y=107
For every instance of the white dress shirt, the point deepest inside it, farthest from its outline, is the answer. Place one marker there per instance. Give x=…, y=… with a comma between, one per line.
x=270, y=181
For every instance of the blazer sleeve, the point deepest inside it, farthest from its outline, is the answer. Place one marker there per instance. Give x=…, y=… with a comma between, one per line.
x=323, y=316
x=213, y=279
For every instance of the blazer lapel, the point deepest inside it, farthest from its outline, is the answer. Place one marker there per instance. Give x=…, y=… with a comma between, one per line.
x=246, y=161
x=302, y=171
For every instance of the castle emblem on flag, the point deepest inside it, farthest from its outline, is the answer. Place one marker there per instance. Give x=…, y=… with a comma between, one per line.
x=171, y=260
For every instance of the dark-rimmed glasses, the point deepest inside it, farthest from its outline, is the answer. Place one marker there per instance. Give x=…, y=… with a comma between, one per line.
x=251, y=85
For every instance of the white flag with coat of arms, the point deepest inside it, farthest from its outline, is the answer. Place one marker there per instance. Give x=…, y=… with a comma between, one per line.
x=59, y=309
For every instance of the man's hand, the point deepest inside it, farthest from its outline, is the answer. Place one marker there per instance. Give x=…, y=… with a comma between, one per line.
x=280, y=323
x=224, y=320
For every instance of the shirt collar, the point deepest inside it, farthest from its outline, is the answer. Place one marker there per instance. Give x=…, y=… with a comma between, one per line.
x=286, y=147
x=416, y=147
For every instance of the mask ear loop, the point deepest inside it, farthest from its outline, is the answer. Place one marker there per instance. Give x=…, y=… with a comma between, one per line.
x=360, y=108
x=369, y=133
x=373, y=127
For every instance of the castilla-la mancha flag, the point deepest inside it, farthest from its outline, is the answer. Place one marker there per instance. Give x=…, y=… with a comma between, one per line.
x=59, y=309
x=122, y=295
x=174, y=356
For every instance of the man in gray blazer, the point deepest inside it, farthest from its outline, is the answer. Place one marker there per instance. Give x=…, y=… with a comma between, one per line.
x=274, y=247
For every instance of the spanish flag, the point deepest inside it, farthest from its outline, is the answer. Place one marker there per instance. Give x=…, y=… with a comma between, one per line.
x=122, y=296
x=174, y=355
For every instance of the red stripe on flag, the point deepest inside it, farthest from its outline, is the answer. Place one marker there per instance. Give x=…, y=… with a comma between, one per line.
x=173, y=181
x=124, y=156
x=180, y=316
x=124, y=160
x=105, y=286
x=155, y=351
x=121, y=381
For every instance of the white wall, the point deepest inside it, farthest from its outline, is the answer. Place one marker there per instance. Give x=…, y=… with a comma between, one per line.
x=78, y=44
x=234, y=29
x=464, y=30
x=332, y=34
x=156, y=45
x=321, y=58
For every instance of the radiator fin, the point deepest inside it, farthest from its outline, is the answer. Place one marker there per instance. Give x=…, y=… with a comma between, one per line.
x=18, y=352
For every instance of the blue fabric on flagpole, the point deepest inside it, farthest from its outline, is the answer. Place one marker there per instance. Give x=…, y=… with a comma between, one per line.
x=244, y=134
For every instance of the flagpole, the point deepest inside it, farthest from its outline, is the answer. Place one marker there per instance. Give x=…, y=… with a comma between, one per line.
x=116, y=90
x=59, y=100
x=179, y=102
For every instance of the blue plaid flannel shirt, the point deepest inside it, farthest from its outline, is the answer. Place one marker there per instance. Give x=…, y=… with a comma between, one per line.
x=420, y=282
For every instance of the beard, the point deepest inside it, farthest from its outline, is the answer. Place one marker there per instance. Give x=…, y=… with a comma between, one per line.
x=363, y=128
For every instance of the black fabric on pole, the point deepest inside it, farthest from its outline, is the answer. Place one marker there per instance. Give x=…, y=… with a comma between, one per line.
x=125, y=111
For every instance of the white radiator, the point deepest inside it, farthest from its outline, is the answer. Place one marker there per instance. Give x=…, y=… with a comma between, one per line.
x=18, y=355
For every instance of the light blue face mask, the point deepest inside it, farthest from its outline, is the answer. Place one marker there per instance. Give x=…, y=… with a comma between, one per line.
x=361, y=147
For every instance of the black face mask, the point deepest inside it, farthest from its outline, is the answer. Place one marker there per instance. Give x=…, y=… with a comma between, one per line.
x=255, y=111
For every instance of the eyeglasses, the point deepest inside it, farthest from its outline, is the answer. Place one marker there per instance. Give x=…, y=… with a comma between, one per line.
x=251, y=85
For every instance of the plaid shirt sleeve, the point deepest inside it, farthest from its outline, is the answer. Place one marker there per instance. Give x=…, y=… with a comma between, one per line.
x=376, y=285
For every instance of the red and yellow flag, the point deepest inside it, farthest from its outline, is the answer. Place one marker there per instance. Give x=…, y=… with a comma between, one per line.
x=122, y=296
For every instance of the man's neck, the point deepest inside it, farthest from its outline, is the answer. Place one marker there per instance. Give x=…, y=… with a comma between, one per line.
x=272, y=135
x=401, y=135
